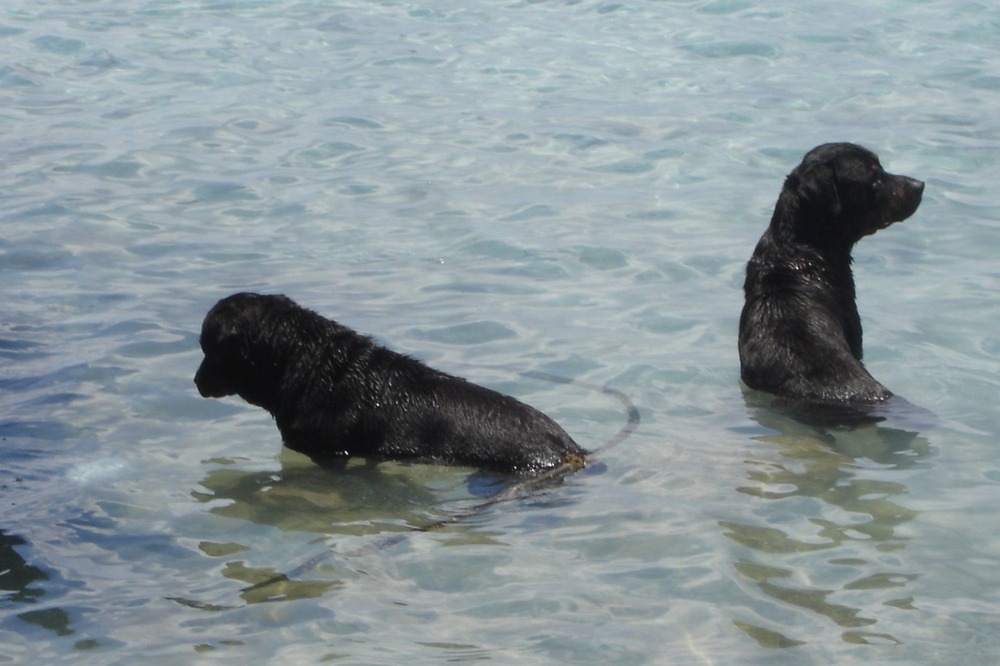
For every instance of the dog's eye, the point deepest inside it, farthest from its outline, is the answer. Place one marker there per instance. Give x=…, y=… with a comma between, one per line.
x=877, y=183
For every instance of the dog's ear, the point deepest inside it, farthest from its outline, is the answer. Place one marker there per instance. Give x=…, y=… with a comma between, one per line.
x=815, y=189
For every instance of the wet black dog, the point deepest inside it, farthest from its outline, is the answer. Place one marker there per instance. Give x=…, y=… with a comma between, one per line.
x=800, y=333
x=335, y=393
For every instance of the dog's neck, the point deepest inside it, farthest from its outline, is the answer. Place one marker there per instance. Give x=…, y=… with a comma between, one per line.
x=804, y=253
x=815, y=223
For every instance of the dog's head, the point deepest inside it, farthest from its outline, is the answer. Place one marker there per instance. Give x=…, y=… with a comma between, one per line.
x=845, y=194
x=235, y=338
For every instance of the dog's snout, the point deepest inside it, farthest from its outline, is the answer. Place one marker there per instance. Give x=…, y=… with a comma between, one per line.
x=904, y=187
x=913, y=184
x=912, y=190
x=905, y=198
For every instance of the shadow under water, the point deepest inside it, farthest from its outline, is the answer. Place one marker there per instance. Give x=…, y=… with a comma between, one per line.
x=376, y=504
x=18, y=581
x=825, y=537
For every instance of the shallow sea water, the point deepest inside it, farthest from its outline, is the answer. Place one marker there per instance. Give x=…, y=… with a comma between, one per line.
x=493, y=187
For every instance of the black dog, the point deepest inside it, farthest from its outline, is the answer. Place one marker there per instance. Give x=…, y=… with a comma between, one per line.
x=335, y=393
x=800, y=333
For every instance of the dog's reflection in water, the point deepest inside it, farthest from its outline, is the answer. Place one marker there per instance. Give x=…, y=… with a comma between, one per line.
x=357, y=507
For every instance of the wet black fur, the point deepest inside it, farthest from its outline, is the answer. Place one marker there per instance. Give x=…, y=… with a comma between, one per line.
x=334, y=393
x=800, y=332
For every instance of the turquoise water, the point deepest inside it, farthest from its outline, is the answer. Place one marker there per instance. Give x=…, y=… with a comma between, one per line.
x=493, y=187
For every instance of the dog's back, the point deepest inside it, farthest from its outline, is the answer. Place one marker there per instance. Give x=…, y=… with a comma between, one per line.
x=800, y=333
x=388, y=405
